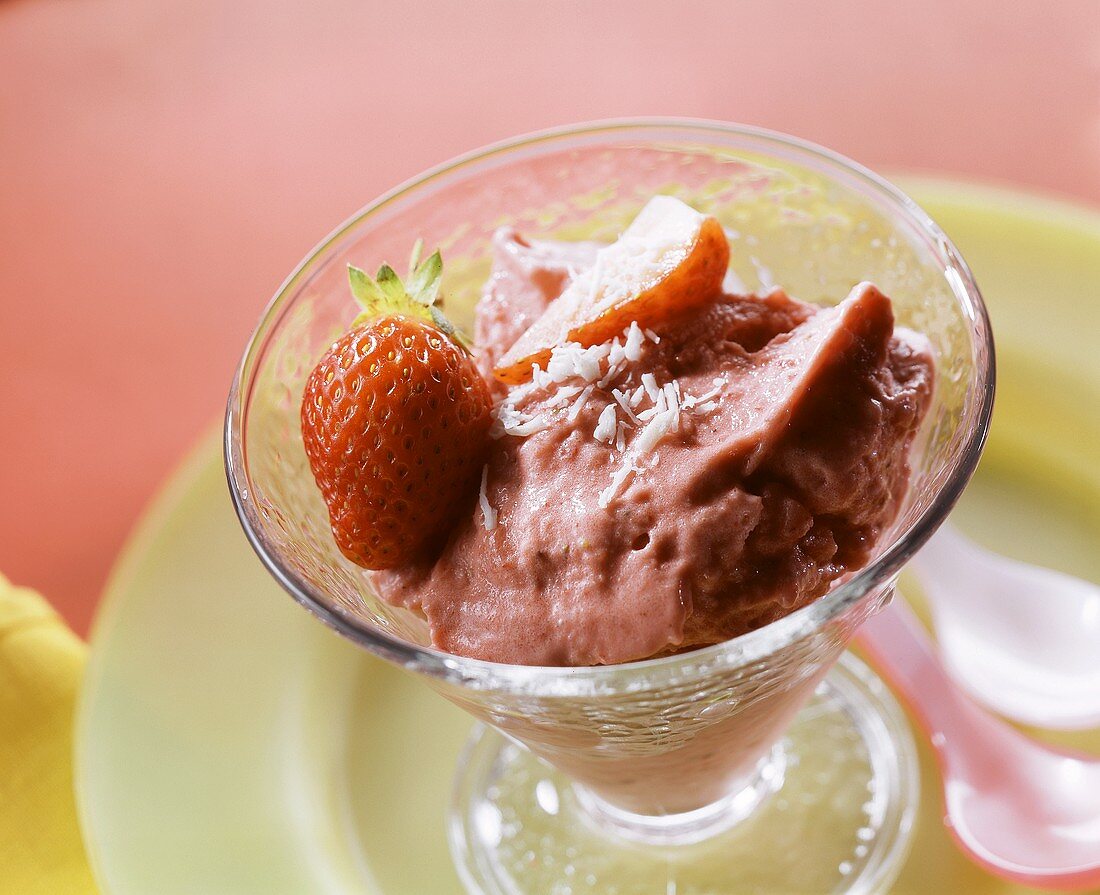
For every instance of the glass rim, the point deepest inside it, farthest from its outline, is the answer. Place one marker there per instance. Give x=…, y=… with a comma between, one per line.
x=642, y=674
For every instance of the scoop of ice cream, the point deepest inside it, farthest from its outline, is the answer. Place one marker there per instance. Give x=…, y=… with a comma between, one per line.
x=672, y=488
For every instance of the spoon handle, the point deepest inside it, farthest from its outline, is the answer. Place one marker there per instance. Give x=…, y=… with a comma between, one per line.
x=901, y=651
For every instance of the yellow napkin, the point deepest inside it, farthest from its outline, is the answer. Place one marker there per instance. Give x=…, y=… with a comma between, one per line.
x=41, y=662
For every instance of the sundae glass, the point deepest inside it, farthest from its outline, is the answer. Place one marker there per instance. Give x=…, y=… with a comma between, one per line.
x=759, y=763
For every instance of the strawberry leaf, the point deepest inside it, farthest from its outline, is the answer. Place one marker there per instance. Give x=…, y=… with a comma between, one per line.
x=414, y=258
x=390, y=283
x=441, y=322
x=364, y=289
x=425, y=280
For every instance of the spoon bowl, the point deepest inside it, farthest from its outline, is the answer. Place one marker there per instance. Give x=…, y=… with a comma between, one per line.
x=1024, y=811
x=1021, y=639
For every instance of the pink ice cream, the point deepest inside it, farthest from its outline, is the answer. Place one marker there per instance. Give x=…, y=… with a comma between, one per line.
x=675, y=489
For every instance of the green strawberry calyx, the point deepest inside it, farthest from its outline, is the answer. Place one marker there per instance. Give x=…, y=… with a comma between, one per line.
x=386, y=294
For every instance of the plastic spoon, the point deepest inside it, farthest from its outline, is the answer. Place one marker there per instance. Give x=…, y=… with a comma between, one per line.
x=1021, y=639
x=1022, y=810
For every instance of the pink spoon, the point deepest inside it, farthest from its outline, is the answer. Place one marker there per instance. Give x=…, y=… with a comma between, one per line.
x=1022, y=810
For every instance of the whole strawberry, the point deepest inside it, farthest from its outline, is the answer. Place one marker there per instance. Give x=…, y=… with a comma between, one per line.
x=395, y=421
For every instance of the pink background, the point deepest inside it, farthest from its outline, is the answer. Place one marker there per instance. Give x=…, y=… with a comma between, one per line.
x=163, y=168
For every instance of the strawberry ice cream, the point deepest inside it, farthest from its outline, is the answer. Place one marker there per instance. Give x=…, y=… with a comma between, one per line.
x=686, y=482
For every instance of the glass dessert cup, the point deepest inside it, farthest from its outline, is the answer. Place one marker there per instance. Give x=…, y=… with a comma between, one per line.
x=758, y=762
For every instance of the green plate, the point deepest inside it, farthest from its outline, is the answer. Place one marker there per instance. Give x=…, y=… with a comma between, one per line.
x=228, y=743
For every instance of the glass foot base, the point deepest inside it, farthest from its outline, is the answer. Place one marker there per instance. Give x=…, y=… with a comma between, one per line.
x=830, y=810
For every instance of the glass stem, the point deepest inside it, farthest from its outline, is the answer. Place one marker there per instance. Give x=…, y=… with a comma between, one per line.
x=688, y=827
